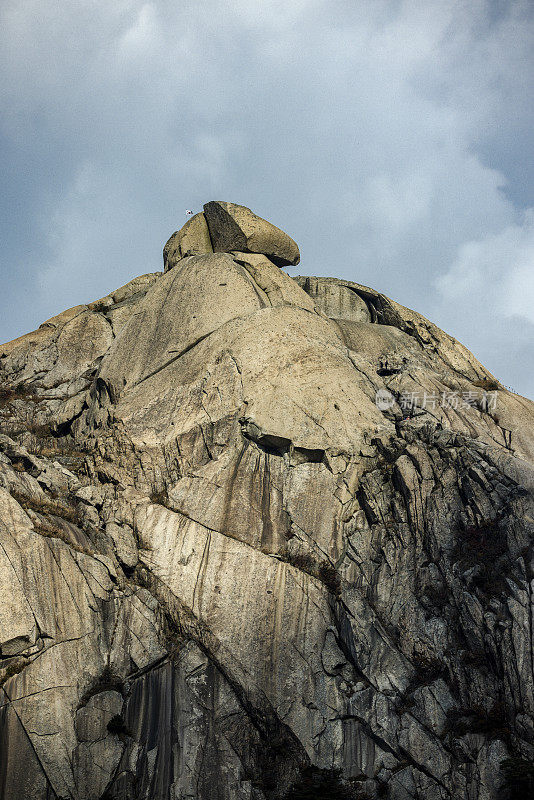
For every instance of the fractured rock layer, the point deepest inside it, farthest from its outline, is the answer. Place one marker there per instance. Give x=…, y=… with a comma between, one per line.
x=228, y=573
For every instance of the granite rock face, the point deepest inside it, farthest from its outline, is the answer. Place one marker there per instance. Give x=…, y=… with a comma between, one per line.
x=229, y=572
x=193, y=239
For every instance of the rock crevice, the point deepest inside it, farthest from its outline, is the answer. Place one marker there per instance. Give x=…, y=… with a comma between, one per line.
x=237, y=563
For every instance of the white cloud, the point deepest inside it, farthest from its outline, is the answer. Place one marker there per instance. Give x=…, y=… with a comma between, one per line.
x=143, y=35
x=497, y=270
x=383, y=136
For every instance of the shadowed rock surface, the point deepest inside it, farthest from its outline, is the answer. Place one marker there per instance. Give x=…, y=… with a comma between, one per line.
x=227, y=574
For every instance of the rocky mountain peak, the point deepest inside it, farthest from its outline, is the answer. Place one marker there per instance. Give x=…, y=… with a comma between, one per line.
x=227, y=228
x=262, y=538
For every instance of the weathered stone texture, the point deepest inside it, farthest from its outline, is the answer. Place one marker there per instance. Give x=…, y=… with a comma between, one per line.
x=193, y=239
x=226, y=572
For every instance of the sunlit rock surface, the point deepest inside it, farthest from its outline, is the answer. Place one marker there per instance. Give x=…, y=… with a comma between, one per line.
x=227, y=572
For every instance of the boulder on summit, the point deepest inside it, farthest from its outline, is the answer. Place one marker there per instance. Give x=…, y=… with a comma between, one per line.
x=227, y=228
x=234, y=227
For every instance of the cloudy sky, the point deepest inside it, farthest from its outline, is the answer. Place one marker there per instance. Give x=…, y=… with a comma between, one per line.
x=391, y=138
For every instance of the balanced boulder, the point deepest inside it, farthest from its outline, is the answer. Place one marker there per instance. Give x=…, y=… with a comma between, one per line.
x=233, y=227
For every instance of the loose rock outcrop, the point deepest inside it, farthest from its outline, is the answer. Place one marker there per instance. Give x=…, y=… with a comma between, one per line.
x=262, y=538
x=228, y=228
